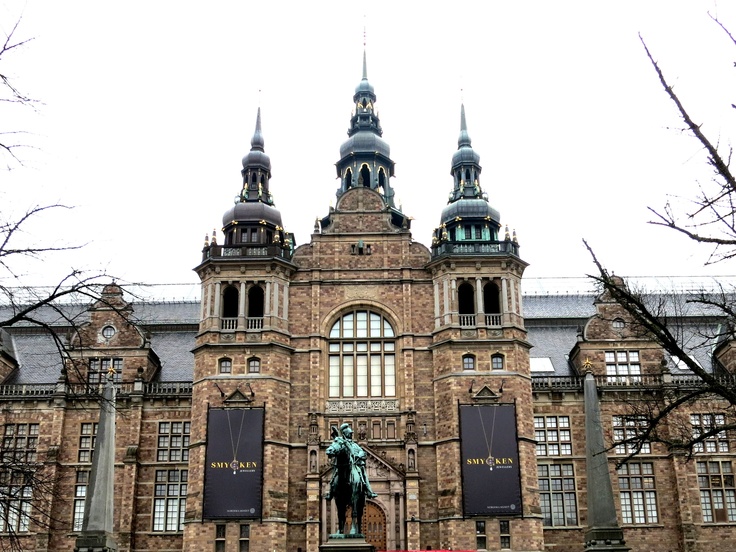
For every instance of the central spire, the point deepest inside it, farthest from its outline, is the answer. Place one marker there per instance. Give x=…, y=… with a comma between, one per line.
x=365, y=158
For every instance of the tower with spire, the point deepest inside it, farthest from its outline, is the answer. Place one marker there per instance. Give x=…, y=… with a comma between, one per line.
x=242, y=355
x=480, y=350
x=365, y=158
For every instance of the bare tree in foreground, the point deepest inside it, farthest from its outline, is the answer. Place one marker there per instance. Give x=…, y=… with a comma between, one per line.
x=710, y=220
x=11, y=140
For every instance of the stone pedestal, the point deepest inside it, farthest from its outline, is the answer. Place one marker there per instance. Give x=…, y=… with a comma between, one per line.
x=605, y=539
x=349, y=543
x=95, y=541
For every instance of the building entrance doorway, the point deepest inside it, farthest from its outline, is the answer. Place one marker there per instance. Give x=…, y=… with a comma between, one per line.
x=374, y=525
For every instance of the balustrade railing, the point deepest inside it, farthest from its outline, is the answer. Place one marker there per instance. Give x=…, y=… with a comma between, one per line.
x=168, y=388
x=632, y=381
x=175, y=388
x=493, y=319
x=26, y=390
x=493, y=248
x=229, y=323
x=467, y=320
x=254, y=323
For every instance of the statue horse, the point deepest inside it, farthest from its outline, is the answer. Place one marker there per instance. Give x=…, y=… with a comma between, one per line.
x=350, y=488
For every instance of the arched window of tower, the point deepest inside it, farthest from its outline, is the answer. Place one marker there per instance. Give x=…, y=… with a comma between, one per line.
x=491, y=299
x=348, y=179
x=365, y=177
x=466, y=298
x=255, y=302
x=382, y=179
x=230, y=302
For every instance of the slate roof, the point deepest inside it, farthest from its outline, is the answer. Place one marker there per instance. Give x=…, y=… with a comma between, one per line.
x=174, y=349
x=558, y=306
x=553, y=323
x=553, y=342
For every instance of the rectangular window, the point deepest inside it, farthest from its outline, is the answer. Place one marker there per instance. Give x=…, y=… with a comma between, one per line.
x=468, y=232
x=376, y=430
x=80, y=492
x=504, y=529
x=553, y=435
x=169, y=502
x=220, y=538
x=390, y=430
x=623, y=367
x=17, y=457
x=244, y=543
x=481, y=541
x=557, y=494
x=99, y=367
x=87, y=440
x=638, y=493
x=704, y=427
x=173, y=442
x=717, y=491
x=629, y=427
x=334, y=373
x=478, y=232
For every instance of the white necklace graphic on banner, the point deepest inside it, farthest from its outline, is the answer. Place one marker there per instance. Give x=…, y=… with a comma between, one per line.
x=489, y=445
x=235, y=445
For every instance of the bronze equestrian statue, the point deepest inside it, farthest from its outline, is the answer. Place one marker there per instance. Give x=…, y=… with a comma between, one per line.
x=349, y=485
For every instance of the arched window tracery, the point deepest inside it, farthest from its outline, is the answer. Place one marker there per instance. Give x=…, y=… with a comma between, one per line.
x=362, y=356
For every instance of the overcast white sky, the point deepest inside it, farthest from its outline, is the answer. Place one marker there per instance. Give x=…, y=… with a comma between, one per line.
x=149, y=107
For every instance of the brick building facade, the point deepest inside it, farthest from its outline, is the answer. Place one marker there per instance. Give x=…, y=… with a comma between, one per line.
x=366, y=326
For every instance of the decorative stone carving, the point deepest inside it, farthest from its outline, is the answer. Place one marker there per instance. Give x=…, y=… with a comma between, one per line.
x=345, y=406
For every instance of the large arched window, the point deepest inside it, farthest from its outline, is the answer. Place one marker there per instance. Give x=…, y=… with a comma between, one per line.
x=362, y=356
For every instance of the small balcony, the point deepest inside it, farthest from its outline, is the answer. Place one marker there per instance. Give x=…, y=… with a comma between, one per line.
x=484, y=248
x=251, y=323
x=482, y=319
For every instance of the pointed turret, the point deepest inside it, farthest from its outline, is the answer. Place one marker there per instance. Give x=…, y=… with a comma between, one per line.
x=256, y=169
x=365, y=158
x=254, y=220
x=469, y=225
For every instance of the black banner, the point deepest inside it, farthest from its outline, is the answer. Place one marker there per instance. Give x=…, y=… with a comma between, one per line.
x=490, y=460
x=233, y=484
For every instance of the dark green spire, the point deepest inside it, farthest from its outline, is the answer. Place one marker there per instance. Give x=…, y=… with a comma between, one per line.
x=365, y=158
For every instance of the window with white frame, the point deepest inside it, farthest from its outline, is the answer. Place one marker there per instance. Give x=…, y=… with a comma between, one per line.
x=497, y=362
x=87, y=441
x=468, y=362
x=169, y=502
x=99, y=367
x=623, y=367
x=254, y=365
x=703, y=424
x=80, y=494
x=173, y=442
x=18, y=460
x=637, y=491
x=362, y=356
x=557, y=494
x=225, y=366
x=553, y=435
x=629, y=427
x=717, y=491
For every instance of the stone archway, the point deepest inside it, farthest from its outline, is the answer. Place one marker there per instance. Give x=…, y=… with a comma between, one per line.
x=374, y=525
